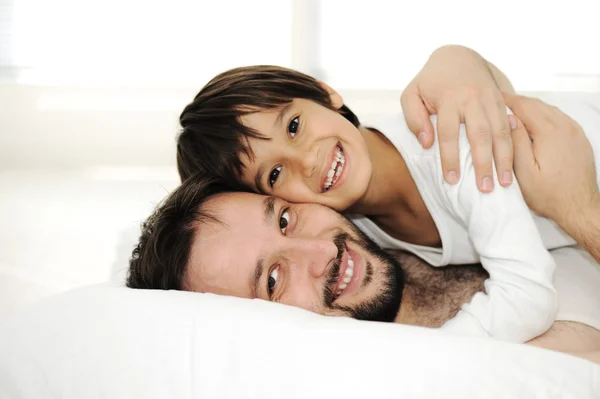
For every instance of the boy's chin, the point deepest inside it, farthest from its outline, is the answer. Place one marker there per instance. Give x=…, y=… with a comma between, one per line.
x=350, y=197
x=339, y=204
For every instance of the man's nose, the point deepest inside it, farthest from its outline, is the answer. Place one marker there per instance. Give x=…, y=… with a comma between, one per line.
x=313, y=255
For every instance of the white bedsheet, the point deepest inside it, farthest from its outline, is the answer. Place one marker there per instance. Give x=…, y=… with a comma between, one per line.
x=114, y=342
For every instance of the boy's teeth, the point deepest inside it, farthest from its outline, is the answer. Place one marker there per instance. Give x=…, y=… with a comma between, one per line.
x=336, y=169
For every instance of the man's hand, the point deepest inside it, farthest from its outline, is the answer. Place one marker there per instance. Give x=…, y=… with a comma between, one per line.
x=459, y=85
x=554, y=161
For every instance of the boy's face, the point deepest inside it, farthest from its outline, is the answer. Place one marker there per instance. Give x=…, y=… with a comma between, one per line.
x=314, y=155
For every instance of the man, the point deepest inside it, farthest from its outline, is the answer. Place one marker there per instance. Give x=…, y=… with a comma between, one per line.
x=206, y=239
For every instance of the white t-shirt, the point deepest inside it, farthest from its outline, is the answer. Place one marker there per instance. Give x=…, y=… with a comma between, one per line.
x=577, y=281
x=496, y=229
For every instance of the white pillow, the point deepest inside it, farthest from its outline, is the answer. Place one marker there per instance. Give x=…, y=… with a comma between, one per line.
x=128, y=239
x=115, y=342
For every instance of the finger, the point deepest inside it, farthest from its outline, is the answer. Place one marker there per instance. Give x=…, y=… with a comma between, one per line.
x=502, y=145
x=448, y=129
x=417, y=118
x=523, y=150
x=534, y=114
x=479, y=133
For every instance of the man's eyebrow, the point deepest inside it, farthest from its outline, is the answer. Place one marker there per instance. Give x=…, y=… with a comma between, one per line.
x=282, y=113
x=269, y=211
x=269, y=208
x=258, y=271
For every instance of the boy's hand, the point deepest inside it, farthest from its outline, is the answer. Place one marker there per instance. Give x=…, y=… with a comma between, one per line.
x=456, y=84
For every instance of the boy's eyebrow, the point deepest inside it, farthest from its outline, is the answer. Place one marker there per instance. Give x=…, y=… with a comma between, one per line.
x=282, y=113
x=258, y=179
x=259, y=174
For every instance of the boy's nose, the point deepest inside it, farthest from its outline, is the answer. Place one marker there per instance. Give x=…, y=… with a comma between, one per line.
x=309, y=161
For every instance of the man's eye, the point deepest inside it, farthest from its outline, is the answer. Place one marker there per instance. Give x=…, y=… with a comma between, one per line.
x=274, y=175
x=284, y=220
x=293, y=126
x=272, y=282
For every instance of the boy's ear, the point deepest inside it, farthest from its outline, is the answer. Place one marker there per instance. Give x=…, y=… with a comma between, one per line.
x=336, y=99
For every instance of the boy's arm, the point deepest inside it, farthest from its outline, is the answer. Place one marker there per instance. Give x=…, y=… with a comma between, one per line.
x=555, y=165
x=500, y=78
x=520, y=302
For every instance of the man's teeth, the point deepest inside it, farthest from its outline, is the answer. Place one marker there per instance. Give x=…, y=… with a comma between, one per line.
x=347, y=276
x=336, y=169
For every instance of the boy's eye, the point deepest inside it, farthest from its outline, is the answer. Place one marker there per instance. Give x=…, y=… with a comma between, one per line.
x=274, y=175
x=272, y=281
x=293, y=126
x=284, y=220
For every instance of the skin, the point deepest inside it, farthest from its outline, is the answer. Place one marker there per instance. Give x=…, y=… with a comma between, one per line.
x=295, y=245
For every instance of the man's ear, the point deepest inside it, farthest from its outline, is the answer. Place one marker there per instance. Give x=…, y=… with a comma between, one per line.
x=336, y=99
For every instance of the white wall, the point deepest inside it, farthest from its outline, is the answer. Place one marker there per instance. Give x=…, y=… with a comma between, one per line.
x=81, y=127
x=72, y=127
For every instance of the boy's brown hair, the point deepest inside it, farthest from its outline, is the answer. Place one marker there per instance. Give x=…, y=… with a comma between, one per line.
x=213, y=137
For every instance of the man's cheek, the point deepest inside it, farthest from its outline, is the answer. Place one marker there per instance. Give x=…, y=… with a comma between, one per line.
x=303, y=300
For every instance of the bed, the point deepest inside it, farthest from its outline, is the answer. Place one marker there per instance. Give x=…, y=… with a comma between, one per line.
x=107, y=341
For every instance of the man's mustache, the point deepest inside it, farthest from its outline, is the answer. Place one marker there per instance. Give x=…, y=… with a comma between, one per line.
x=328, y=294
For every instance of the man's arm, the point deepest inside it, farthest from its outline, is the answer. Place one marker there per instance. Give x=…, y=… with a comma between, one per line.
x=459, y=85
x=554, y=163
x=586, y=228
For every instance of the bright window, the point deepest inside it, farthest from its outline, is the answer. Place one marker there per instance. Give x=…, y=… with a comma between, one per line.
x=541, y=45
x=147, y=42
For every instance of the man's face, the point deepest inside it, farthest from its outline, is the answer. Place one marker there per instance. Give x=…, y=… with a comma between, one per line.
x=303, y=255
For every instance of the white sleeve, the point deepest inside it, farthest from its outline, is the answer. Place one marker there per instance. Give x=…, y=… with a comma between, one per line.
x=520, y=302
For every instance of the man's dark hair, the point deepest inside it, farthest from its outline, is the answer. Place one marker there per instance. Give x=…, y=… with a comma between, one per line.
x=160, y=258
x=213, y=137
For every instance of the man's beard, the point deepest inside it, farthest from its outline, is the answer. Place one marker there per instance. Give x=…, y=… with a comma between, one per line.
x=384, y=306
